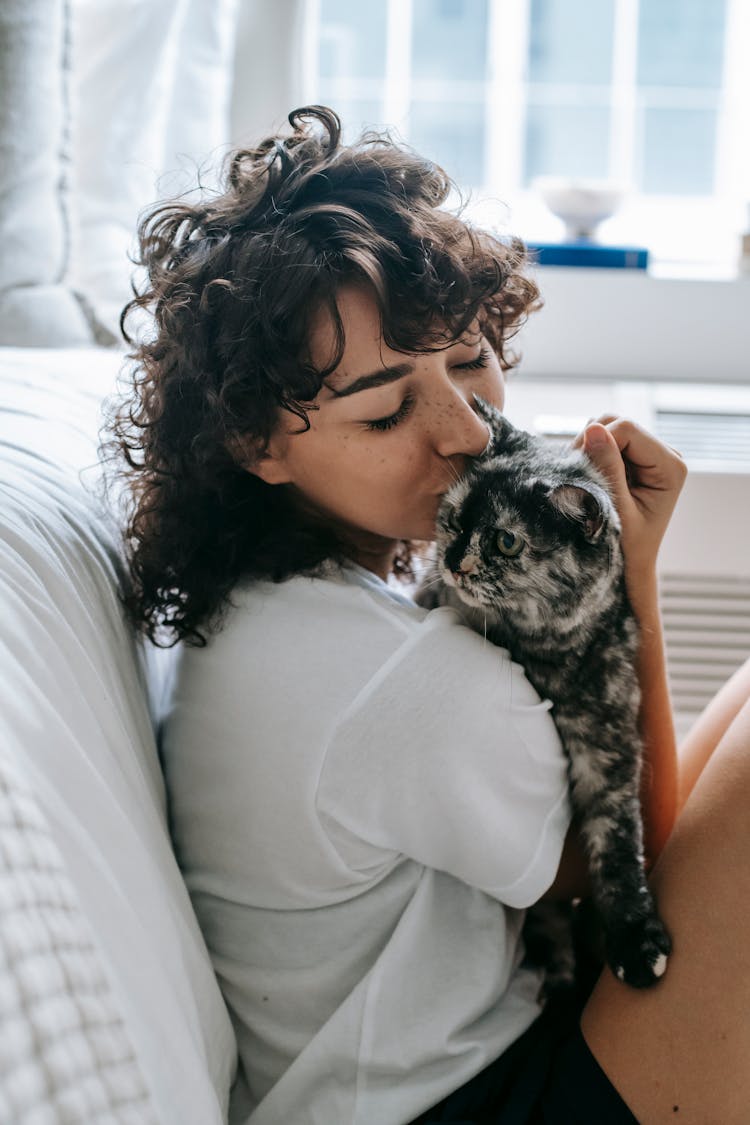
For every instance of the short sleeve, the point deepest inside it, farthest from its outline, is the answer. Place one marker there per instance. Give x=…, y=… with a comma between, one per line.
x=448, y=756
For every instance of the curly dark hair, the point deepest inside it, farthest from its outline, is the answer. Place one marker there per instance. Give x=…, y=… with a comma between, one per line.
x=232, y=283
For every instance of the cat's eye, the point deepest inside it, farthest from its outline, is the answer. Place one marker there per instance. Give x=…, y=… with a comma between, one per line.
x=509, y=544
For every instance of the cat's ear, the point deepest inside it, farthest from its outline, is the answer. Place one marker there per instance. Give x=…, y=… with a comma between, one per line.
x=587, y=504
x=500, y=427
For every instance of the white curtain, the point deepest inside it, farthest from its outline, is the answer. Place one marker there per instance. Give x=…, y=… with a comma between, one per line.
x=107, y=106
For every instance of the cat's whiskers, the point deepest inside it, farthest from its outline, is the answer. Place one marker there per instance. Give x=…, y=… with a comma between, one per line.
x=424, y=556
x=454, y=471
x=428, y=583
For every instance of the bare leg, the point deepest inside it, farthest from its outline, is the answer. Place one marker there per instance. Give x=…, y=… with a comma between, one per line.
x=704, y=736
x=680, y=1052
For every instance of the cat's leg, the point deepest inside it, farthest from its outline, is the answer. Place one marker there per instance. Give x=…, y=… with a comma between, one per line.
x=637, y=943
x=605, y=795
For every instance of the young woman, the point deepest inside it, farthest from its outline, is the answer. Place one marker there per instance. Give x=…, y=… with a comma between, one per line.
x=365, y=796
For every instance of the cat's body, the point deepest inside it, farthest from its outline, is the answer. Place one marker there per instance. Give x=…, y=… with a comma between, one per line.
x=528, y=549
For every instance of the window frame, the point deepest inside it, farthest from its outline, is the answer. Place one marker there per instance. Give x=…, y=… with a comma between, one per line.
x=658, y=302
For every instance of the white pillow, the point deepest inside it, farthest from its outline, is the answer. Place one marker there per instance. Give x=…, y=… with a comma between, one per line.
x=151, y=90
x=35, y=305
x=74, y=698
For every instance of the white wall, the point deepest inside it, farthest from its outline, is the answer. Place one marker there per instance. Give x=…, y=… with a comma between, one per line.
x=622, y=324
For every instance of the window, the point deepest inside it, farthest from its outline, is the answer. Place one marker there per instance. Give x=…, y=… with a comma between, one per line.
x=651, y=93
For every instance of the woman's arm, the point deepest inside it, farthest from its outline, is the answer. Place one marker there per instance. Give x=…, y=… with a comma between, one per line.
x=660, y=778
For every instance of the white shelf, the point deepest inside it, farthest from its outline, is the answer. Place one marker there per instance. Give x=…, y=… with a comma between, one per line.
x=628, y=324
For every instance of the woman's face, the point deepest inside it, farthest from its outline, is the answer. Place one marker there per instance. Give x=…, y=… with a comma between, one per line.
x=390, y=433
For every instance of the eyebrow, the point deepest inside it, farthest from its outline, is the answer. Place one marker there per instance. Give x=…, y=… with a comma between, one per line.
x=375, y=379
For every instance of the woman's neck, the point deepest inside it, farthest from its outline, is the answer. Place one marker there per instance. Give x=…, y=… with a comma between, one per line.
x=380, y=562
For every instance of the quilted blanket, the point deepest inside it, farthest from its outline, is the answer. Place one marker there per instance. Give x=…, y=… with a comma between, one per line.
x=65, y=1055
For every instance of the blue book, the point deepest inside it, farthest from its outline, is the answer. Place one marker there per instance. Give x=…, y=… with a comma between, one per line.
x=588, y=254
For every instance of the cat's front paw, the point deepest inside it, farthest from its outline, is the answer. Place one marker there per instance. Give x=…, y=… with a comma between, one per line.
x=637, y=952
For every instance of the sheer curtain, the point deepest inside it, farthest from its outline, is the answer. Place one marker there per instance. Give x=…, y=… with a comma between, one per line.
x=107, y=106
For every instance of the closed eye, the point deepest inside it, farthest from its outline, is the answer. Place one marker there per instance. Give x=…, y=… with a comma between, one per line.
x=387, y=423
x=476, y=364
x=379, y=425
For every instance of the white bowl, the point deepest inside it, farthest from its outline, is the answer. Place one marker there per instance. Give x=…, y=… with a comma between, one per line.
x=581, y=204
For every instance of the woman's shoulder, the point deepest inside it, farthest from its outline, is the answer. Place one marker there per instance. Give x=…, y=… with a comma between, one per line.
x=303, y=622
x=309, y=640
x=335, y=598
x=343, y=623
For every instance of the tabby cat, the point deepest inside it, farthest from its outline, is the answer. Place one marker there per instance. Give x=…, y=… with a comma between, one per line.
x=528, y=549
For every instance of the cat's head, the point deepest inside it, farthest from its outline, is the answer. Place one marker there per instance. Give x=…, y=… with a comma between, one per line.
x=529, y=535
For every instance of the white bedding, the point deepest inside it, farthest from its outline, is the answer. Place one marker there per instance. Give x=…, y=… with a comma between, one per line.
x=65, y=1053
x=76, y=725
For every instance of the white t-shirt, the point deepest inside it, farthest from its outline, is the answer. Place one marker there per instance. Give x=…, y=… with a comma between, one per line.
x=364, y=797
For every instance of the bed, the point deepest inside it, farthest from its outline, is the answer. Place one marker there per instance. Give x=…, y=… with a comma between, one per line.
x=108, y=1002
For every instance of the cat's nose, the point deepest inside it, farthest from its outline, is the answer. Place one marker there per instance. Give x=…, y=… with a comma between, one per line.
x=469, y=564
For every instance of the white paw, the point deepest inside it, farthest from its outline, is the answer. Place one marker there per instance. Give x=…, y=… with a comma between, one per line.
x=659, y=966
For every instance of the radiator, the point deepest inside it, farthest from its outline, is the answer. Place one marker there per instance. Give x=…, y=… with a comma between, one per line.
x=704, y=563
x=704, y=581
x=707, y=625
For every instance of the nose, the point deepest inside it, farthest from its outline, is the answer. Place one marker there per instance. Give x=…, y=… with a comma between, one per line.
x=457, y=427
x=469, y=564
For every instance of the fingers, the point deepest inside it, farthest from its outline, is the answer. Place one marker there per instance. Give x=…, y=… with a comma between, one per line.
x=605, y=419
x=647, y=460
x=601, y=447
x=650, y=464
x=644, y=477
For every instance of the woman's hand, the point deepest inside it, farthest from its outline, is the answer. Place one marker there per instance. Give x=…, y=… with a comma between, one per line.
x=645, y=477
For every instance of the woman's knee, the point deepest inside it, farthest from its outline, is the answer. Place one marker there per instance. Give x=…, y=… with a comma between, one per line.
x=685, y=1042
x=704, y=737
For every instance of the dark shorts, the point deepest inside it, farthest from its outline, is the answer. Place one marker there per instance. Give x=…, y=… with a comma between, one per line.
x=547, y=1077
